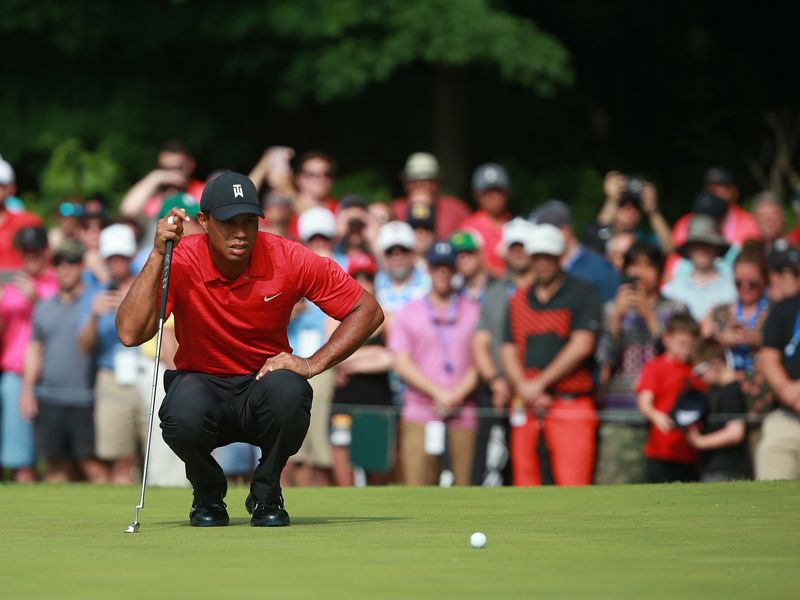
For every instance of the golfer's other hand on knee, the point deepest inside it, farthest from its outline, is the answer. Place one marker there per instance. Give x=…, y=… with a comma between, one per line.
x=287, y=362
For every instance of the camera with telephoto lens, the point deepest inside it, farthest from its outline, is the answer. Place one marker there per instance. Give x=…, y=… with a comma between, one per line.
x=633, y=190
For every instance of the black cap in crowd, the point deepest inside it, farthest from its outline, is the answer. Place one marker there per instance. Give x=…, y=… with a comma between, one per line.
x=421, y=214
x=690, y=407
x=784, y=257
x=719, y=176
x=552, y=212
x=230, y=194
x=30, y=239
x=709, y=204
x=351, y=200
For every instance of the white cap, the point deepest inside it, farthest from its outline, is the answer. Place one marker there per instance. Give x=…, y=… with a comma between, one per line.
x=396, y=233
x=117, y=240
x=421, y=165
x=518, y=231
x=546, y=239
x=6, y=172
x=316, y=221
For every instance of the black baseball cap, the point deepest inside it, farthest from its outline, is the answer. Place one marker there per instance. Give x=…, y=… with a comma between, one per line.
x=719, y=176
x=351, y=200
x=709, y=204
x=784, y=257
x=230, y=194
x=30, y=239
x=421, y=214
x=690, y=407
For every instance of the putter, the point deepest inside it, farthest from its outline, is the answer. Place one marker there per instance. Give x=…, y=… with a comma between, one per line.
x=134, y=526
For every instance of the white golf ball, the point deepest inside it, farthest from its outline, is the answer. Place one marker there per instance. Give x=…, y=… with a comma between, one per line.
x=477, y=540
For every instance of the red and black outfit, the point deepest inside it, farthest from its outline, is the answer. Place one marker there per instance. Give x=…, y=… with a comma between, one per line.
x=540, y=332
x=226, y=330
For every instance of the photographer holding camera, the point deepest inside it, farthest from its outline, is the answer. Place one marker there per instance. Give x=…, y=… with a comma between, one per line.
x=628, y=198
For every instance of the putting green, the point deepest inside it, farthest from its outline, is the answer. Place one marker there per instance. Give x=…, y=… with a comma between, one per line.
x=737, y=540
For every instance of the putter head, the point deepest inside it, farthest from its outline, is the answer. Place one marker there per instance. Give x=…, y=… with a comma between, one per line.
x=133, y=527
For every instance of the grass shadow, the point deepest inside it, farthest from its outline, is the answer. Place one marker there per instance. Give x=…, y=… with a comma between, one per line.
x=295, y=521
x=332, y=520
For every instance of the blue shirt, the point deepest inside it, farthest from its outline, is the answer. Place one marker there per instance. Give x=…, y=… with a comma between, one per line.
x=591, y=268
x=306, y=331
x=700, y=299
x=393, y=297
x=108, y=342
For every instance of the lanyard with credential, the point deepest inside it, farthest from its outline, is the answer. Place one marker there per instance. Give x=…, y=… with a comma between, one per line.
x=742, y=358
x=791, y=347
x=751, y=323
x=444, y=331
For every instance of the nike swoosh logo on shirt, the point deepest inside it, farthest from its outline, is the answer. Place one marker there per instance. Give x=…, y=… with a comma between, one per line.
x=268, y=298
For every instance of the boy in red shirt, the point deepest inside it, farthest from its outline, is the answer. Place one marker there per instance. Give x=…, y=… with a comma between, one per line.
x=669, y=455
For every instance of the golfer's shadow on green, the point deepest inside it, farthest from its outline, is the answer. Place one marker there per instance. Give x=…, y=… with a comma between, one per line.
x=298, y=521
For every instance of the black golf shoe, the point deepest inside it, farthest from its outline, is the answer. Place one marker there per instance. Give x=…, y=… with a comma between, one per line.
x=208, y=514
x=267, y=514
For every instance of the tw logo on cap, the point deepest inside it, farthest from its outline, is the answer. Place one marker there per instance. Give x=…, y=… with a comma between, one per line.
x=237, y=190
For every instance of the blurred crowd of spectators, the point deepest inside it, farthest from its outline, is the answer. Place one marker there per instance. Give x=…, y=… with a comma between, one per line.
x=516, y=349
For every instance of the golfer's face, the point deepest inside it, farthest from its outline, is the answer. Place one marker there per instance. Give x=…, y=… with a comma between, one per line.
x=233, y=238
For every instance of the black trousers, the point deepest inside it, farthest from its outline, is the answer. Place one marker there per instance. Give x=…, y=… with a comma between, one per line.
x=665, y=471
x=201, y=412
x=491, y=465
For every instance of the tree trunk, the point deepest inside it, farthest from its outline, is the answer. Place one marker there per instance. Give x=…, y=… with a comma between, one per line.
x=450, y=128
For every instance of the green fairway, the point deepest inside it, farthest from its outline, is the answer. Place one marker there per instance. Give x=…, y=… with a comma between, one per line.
x=737, y=540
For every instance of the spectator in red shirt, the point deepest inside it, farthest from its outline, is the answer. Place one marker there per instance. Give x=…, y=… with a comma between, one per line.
x=492, y=188
x=669, y=455
x=421, y=181
x=11, y=222
x=232, y=292
x=738, y=224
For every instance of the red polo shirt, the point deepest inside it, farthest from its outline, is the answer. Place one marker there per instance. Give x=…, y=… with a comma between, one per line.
x=231, y=327
x=666, y=379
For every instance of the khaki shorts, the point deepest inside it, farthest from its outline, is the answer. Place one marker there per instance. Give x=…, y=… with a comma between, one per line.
x=420, y=468
x=316, y=448
x=778, y=454
x=119, y=418
x=620, y=454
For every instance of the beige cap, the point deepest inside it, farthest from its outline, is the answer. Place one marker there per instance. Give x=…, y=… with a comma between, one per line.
x=421, y=165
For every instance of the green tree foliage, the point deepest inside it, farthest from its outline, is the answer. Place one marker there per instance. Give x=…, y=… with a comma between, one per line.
x=339, y=47
x=74, y=172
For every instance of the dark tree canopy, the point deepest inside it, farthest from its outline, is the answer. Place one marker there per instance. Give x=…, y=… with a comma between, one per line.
x=559, y=91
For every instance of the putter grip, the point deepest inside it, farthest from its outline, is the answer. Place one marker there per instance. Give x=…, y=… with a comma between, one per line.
x=162, y=310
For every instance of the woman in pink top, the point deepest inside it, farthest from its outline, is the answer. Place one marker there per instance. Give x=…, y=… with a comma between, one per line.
x=36, y=280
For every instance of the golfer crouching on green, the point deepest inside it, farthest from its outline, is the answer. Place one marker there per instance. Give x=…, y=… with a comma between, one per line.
x=231, y=291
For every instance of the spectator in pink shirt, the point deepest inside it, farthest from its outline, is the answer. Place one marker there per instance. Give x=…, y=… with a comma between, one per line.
x=35, y=281
x=738, y=224
x=492, y=188
x=421, y=183
x=431, y=343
